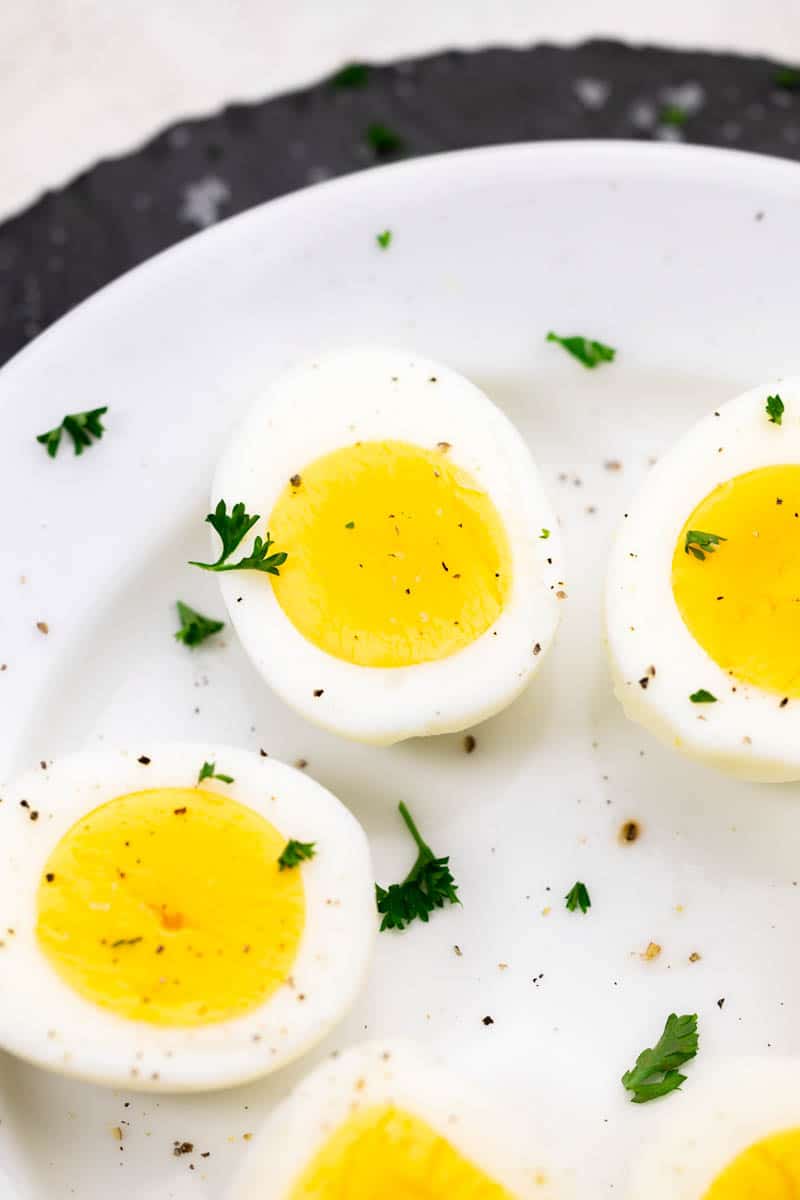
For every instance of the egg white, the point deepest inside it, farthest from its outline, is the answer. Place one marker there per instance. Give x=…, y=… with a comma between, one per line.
x=745, y=732
x=734, y=1105
x=392, y=1072
x=378, y=394
x=44, y=1021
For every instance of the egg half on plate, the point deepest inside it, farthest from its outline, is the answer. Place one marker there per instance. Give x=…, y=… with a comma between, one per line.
x=166, y=932
x=381, y=1122
x=703, y=595
x=423, y=576
x=734, y=1136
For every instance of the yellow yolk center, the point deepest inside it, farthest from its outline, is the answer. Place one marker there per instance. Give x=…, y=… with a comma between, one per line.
x=384, y=1153
x=396, y=556
x=742, y=601
x=768, y=1170
x=168, y=906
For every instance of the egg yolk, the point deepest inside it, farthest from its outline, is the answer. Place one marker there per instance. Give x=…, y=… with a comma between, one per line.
x=385, y=1152
x=741, y=601
x=396, y=556
x=168, y=906
x=767, y=1170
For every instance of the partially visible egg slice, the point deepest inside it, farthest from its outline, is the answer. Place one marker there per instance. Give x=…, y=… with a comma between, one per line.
x=381, y=1121
x=703, y=593
x=735, y=1135
x=156, y=934
x=424, y=573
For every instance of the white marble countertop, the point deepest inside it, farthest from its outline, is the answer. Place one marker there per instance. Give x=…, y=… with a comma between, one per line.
x=83, y=79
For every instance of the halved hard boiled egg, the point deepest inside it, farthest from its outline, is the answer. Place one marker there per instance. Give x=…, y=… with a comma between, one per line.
x=423, y=576
x=735, y=1136
x=703, y=595
x=381, y=1121
x=177, y=920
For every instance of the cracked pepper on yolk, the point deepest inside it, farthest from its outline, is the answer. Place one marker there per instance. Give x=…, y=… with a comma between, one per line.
x=396, y=555
x=168, y=906
x=386, y=1152
x=767, y=1170
x=742, y=602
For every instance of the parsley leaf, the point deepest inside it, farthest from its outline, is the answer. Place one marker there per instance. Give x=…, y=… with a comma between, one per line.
x=590, y=353
x=656, y=1073
x=232, y=528
x=787, y=77
x=427, y=885
x=775, y=409
x=384, y=239
x=701, y=696
x=384, y=141
x=544, y=535
x=674, y=115
x=209, y=771
x=699, y=543
x=294, y=853
x=353, y=75
x=195, y=628
x=81, y=427
x=578, y=897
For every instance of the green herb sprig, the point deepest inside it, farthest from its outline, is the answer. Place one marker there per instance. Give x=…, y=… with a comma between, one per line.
x=428, y=885
x=656, y=1072
x=384, y=239
x=699, y=544
x=294, y=853
x=195, y=628
x=353, y=75
x=701, y=696
x=775, y=409
x=382, y=140
x=578, y=897
x=209, y=771
x=81, y=427
x=588, y=352
x=232, y=528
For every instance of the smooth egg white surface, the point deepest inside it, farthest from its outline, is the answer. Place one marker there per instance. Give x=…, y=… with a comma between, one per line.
x=45, y=1021
x=746, y=732
x=502, y=1144
x=378, y=394
x=734, y=1105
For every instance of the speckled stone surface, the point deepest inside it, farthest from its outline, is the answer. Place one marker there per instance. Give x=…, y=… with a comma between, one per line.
x=121, y=212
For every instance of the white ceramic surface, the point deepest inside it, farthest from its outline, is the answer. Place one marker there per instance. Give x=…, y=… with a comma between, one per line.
x=684, y=259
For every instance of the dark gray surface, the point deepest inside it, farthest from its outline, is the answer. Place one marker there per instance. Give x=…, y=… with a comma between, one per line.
x=121, y=212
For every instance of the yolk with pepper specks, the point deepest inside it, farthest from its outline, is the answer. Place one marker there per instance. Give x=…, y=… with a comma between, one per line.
x=385, y=1152
x=767, y=1170
x=396, y=555
x=742, y=601
x=168, y=906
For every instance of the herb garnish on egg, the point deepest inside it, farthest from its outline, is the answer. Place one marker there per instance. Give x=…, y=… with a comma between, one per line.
x=578, y=897
x=701, y=696
x=209, y=771
x=81, y=427
x=384, y=239
x=699, y=544
x=428, y=885
x=195, y=628
x=656, y=1071
x=232, y=528
x=775, y=409
x=587, y=351
x=295, y=852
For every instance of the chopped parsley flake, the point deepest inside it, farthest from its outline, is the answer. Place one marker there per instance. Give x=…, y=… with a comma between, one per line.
x=382, y=140
x=578, y=897
x=701, y=696
x=428, y=885
x=353, y=75
x=656, y=1072
x=195, y=628
x=294, y=853
x=384, y=239
x=350, y=525
x=81, y=427
x=674, y=115
x=775, y=409
x=545, y=534
x=787, y=77
x=588, y=352
x=209, y=771
x=699, y=544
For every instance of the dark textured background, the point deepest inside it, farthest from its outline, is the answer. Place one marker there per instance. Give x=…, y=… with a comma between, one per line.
x=72, y=241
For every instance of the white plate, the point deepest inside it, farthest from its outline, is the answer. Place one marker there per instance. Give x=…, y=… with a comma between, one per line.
x=687, y=260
